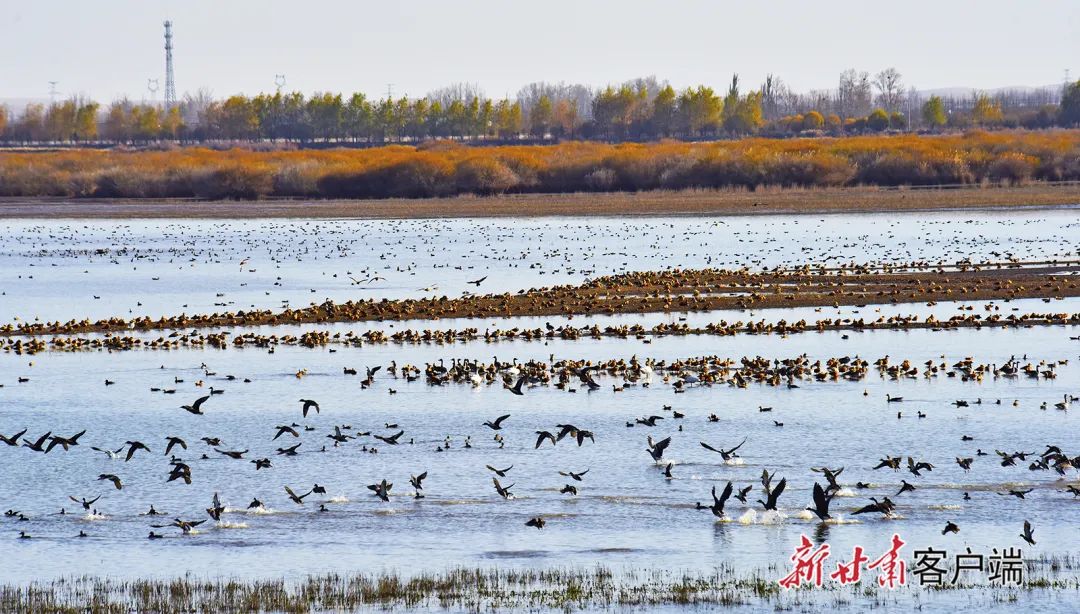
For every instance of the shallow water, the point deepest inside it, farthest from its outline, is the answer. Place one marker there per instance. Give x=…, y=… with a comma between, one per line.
x=626, y=513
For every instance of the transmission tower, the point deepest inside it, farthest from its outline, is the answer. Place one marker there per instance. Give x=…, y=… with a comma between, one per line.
x=152, y=87
x=170, y=82
x=53, y=91
x=279, y=81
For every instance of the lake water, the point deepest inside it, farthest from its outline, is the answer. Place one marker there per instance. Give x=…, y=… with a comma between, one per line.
x=626, y=513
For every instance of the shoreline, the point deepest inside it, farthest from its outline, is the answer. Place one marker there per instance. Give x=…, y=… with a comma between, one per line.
x=765, y=201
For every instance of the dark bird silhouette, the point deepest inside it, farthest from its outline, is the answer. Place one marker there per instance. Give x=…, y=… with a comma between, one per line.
x=39, y=445
x=582, y=435
x=290, y=451
x=134, y=446
x=537, y=522
x=915, y=468
x=309, y=405
x=171, y=442
x=261, y=463
x=497, y=424
x=725, y=454
x=233, y=454
x=184, y=525
x=1019, y=494
x=650, y=421
x=950, y=527
x=892, y=462
x=541, y=436
x=112, y=478
x=216, y=508
x=504, y=491
x=884, y=507
x=84, y=503
x=569, y=489
x=667, y=471
x=295, y=498
x=477, y=282
x=965, y=463
x=656, y=450
x=574, y=476
x=381, y=489
x=741, y=494
x=717, y=507
x=14, y=439
x=284, y=428
x=1029, y=533
x=516, y=388
x=390, y=439
x=771, y=494
x=821, y=502
x=417, y=482
x=196, y=407
x=500, y=472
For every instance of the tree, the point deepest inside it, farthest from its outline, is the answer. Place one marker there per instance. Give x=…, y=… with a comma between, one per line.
x=60, y=120
x=878, y=120
x=985, y=110
x=117, y=122
x=890, y=89
x=3, y=120
x=933, y=112
x=1069, y=115
x=700, y=111
x=853, y=96
x=664, y=112
x=565, y=118
x=86, y=127
x=540, y=117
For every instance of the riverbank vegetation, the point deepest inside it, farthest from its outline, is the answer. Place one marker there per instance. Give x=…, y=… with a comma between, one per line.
x=447, y=169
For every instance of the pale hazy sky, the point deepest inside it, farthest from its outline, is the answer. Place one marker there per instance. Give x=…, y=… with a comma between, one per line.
x=108, y=48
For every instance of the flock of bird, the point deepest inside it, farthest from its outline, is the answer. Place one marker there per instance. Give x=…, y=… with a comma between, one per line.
x=518, y=378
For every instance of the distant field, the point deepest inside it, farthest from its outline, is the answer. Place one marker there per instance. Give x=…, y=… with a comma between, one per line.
x=443, y=170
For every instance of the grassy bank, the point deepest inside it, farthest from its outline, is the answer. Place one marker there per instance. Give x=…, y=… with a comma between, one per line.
x=443, y=170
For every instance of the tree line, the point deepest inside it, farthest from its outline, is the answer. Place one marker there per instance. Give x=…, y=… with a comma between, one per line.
x=637, y=110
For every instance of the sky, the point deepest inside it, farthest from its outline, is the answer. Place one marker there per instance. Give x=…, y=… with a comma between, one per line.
x=109, y=48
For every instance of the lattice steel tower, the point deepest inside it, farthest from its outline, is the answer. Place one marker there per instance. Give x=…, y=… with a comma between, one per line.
x=170, y=83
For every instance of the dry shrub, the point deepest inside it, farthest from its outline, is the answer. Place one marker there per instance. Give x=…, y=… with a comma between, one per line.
x=485, y=176
x=444, y=168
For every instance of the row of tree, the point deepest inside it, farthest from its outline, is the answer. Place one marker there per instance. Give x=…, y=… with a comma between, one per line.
x=642, y=109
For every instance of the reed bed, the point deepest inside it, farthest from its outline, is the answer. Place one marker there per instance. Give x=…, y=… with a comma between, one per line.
x=472, y=589
x=450, y=169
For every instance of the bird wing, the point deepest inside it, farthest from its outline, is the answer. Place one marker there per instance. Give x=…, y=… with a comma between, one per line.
x=662, y=444
x=498, y=421
x=775, y=494
x=726, y=494
x=821, y=502
x=737, y=447
x=708, y=447
x=199, y=401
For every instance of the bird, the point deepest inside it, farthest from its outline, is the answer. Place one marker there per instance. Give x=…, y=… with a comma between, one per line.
x=290, y=451
x=283, y=429
x=1019, y=494
x=516, y=388
x=196, y=407
x=569, y=489
x=14, y=439
x=717, y=507
x=390, y=439
x=84, y=503
x=821, y=502
x=574, y=476
x=37, y=446
x=113, y=454
x=1029, y=533
x=309, y=405
x=417, y=482
x=892, y=399
x=295, y=498
x=381, y=489
x=172, y=442
x=134, y=446
x=656, y=450
x=725, y=454
x=541, y=436
x=916, y=467
x=497, y=424
x=741, y=494
x=233, y=454
x=504, y=491
x=905, y=487
x=261, y=463
x=771, y=494
x=537, y=522
x=649, y=421
x=186, y=526
x=216, y=508
x=950, y=527
x=477, y=282
x=667, y=471
x=500, y=472
x=112, y=478
x=884, y=507
x=965, y=463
